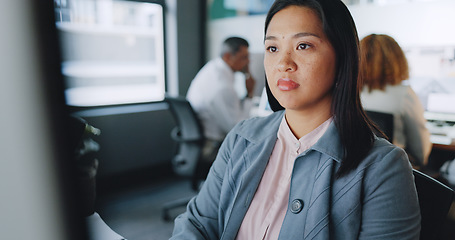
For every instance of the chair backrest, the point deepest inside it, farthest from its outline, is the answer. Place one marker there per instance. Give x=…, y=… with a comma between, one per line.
x=435, y=200
x=188, y=133
x=384, y=121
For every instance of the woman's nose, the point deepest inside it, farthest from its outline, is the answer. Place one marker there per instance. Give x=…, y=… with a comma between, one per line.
x=286, y=63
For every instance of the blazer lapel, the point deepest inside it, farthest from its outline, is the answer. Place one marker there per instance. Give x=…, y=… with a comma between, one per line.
x=318, y=220
x=255, y=160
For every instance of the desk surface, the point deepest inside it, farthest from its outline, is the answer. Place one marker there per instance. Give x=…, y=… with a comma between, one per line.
x=444, y=147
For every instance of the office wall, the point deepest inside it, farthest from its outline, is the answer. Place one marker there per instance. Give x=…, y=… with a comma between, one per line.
x=411, y=24
x=191, y=18
x=249, y=27
x=132, y=138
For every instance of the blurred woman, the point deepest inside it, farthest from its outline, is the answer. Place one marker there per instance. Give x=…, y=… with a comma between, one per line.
x=384, y=68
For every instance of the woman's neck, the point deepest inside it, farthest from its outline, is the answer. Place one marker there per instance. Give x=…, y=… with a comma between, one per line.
x=301, y=124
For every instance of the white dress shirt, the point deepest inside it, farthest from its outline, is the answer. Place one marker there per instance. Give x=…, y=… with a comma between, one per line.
x=410, y=132
x=213, y=97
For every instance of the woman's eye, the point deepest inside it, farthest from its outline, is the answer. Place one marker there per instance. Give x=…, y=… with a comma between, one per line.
x=271, y=49
x=303, y=46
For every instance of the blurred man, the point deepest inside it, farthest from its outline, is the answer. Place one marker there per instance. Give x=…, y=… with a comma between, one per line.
x=213, y=97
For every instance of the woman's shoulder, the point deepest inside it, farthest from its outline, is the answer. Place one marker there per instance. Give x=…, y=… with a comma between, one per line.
x=258, y=127
x=382, y=145
x=383, y=153
x=257, y=130
x=259, y=121
x=400, y=89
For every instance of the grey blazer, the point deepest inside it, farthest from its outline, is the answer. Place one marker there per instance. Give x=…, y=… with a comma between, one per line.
x=377, y=200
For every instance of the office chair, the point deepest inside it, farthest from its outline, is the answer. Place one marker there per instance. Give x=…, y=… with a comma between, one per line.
x=384, y=121
x=435, y=200
x=190, y=138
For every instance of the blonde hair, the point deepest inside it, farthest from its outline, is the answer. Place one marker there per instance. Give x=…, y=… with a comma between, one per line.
x=382, y=62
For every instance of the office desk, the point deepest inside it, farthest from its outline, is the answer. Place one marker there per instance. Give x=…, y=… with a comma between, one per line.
x=444, y=147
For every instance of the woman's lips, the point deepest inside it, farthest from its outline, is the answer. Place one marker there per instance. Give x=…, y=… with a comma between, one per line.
x=286, y=84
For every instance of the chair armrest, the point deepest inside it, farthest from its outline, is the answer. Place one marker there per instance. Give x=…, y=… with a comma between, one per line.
x=176, y=135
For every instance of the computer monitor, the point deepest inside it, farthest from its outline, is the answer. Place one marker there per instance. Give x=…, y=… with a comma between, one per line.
x=37, y=192
x=438, y=97
x=443, y=104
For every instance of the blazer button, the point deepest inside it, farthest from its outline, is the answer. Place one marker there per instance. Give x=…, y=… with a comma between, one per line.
x=296, y=206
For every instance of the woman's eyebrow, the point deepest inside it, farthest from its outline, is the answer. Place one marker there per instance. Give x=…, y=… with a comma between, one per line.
x=305, y=34
x=269, y=38
x=297, y=35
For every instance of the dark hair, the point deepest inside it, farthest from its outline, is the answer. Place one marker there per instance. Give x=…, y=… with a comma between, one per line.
x=355, y=129
x=233, y=44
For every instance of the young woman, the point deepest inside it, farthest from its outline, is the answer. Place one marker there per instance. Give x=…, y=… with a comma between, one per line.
x=313, y=169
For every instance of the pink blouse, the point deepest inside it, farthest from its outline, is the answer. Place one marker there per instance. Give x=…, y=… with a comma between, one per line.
x=266, y=213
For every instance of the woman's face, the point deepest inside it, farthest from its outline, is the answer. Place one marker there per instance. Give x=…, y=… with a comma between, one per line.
x=299, y=60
